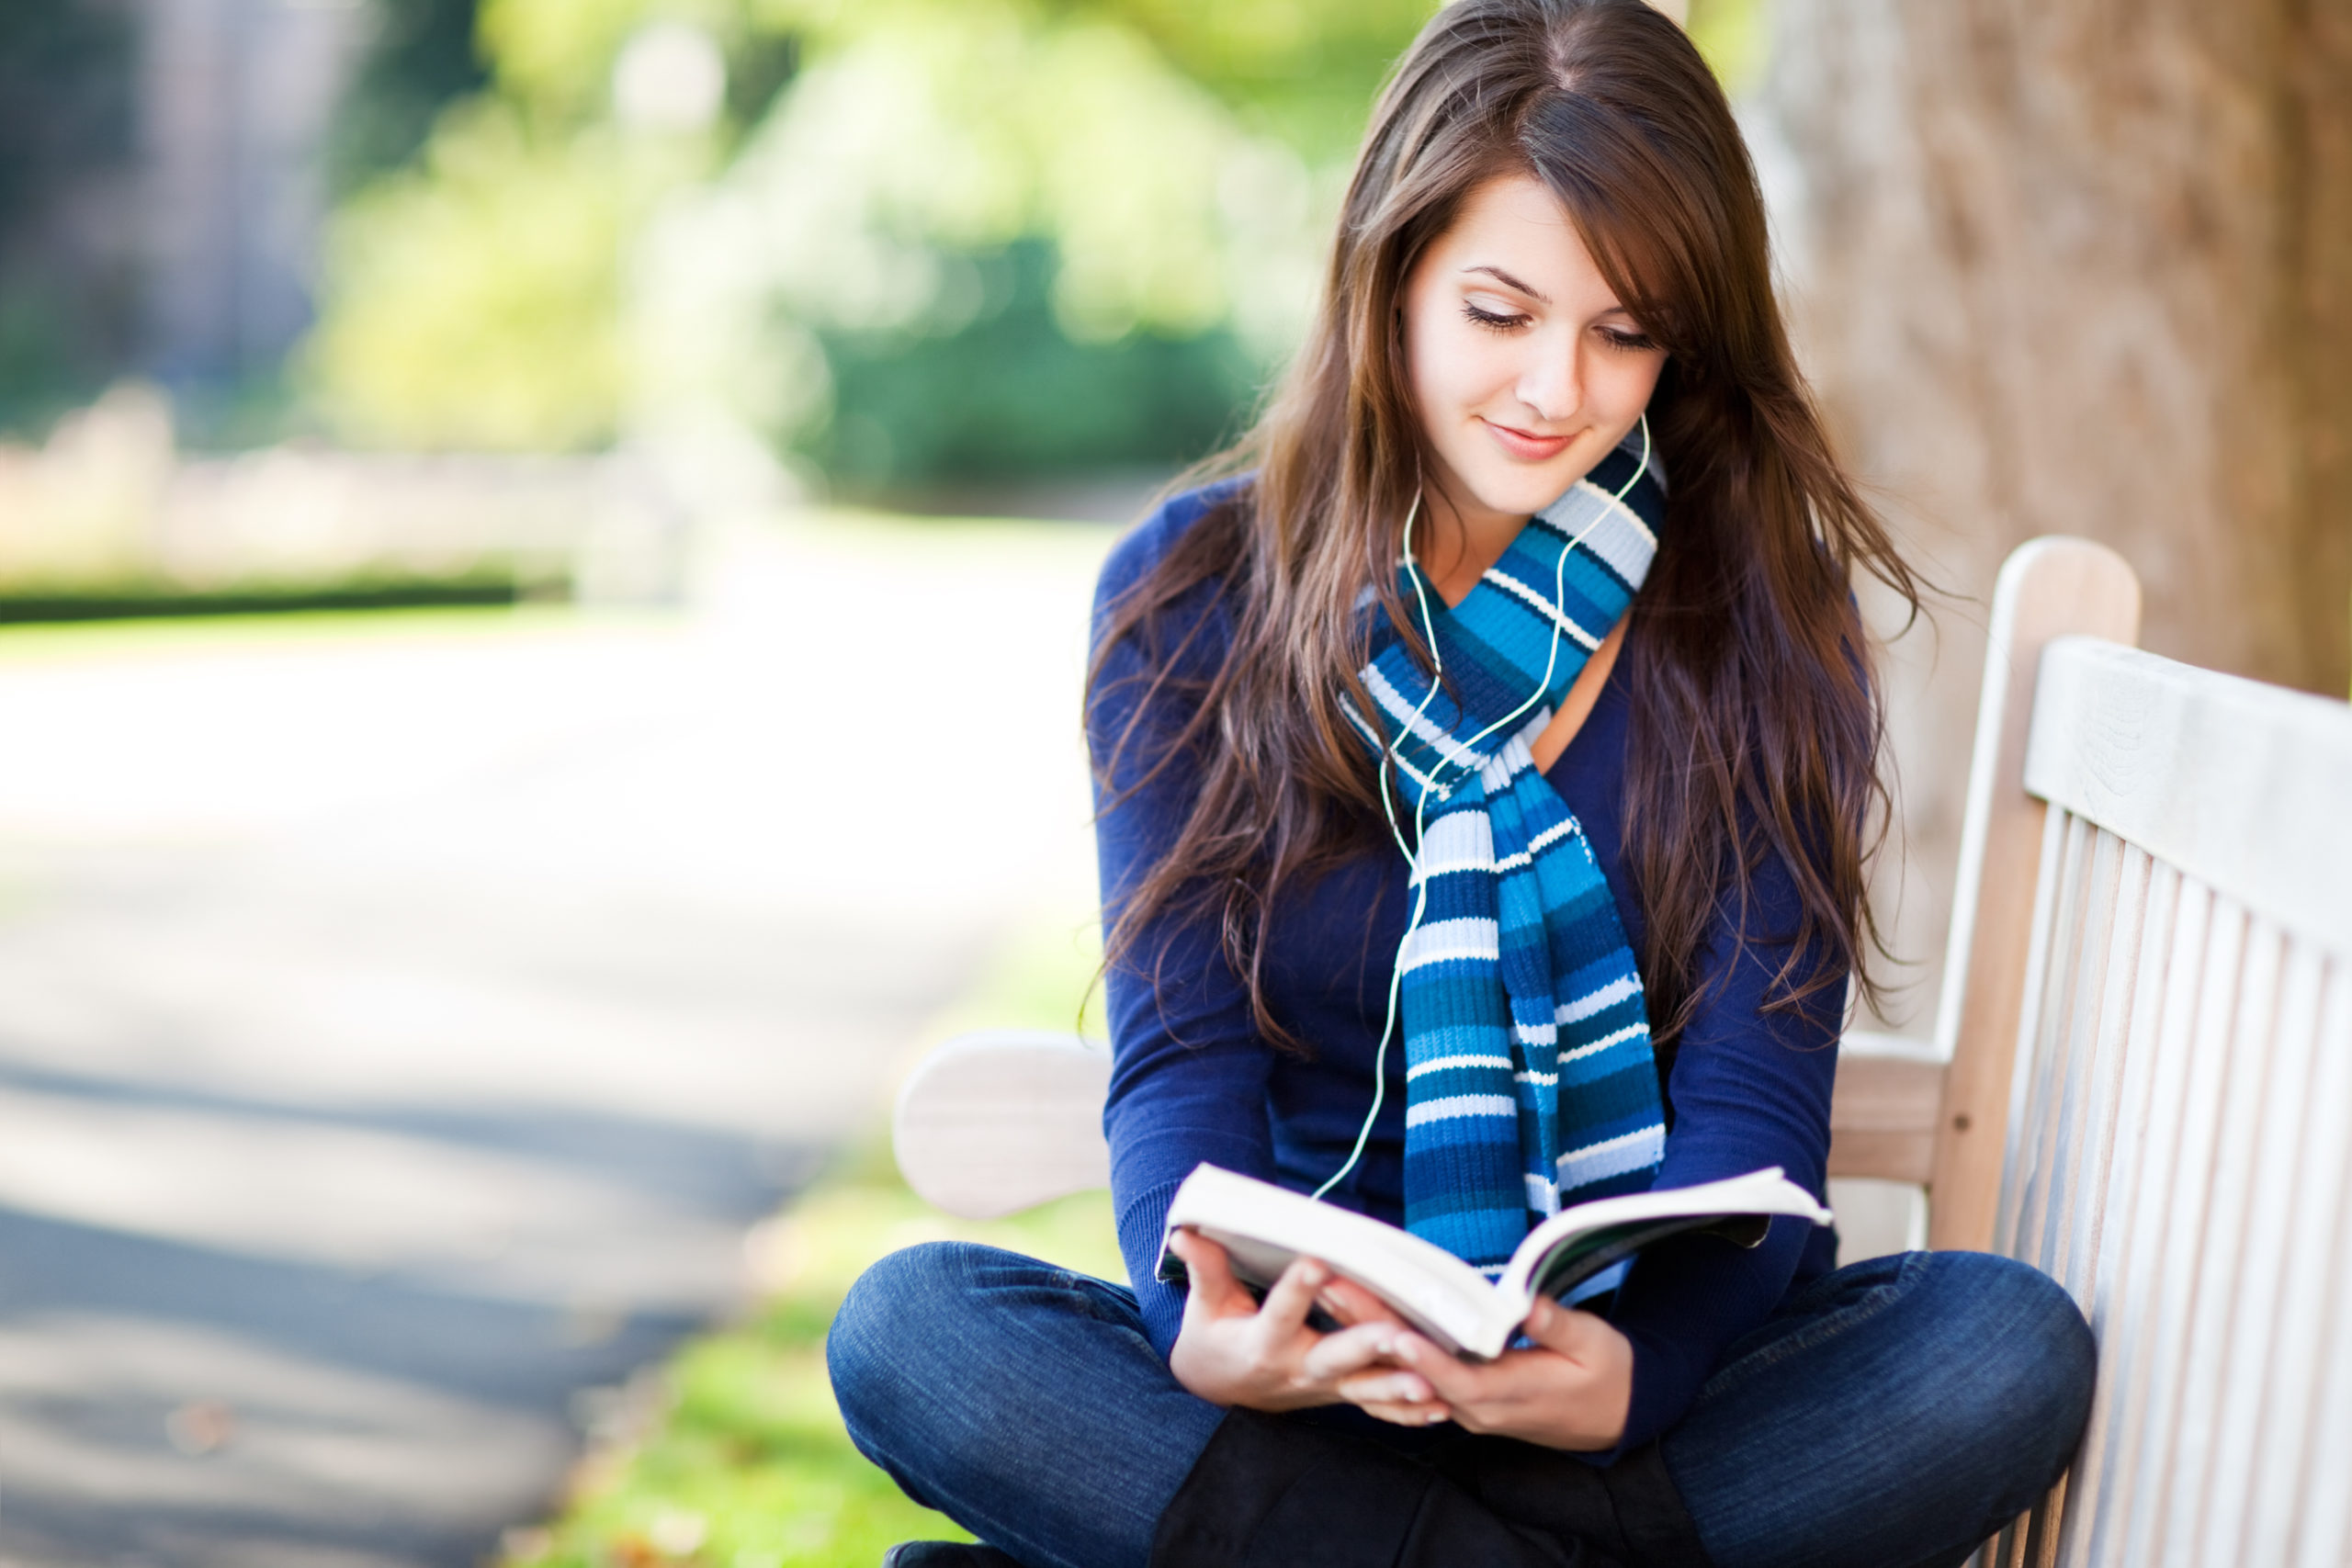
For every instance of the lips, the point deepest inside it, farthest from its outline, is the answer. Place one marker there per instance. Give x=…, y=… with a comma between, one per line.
x=1525, y=444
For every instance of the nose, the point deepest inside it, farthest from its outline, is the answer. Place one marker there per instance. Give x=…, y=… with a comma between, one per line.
x=1552, y=381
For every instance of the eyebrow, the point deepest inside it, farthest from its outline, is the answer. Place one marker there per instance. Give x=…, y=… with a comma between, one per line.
x=1508, y=281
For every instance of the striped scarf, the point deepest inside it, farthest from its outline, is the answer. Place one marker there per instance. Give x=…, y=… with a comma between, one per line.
x=1529, y=1078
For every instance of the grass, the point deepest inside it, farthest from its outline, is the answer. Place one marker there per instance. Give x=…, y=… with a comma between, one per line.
x=734, y=1455
x=46, y=642
x=743, y=1462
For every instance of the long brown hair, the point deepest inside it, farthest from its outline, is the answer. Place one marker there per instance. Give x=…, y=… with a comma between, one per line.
x=1755, y=727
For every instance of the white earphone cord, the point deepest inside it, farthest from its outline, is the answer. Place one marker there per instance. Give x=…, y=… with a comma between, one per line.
x=1420, y=804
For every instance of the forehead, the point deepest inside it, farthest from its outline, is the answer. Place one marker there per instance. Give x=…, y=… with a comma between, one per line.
x=1514, y=223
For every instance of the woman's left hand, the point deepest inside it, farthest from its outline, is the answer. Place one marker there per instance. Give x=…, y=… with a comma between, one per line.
x=1571, y=1391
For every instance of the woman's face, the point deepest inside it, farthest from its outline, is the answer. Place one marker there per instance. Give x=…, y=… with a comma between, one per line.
x=1524, y=368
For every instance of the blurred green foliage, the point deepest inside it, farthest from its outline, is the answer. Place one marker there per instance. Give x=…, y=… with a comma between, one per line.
x=910, y=239
x=421, y=58
x=918, y=238
x=475, y=296
x=1010, y=392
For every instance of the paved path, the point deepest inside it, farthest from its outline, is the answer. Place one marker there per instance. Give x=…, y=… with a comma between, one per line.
x=399, y=1027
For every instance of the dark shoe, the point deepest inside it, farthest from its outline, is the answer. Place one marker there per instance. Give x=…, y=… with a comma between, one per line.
x=945, y=1554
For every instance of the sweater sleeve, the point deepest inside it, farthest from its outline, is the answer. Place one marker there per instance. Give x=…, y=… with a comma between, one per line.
x=1189, y=1068
x=1750, y=1087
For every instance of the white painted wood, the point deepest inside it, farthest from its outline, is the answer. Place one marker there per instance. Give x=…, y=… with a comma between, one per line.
x=2049, y=943
x=2093, y=945
x=2211, y=1348
x=2242, y=785
x=2102, y=1085
x=996, y=1122
x=2259, y=1378
x=2048, y=588
x=2099, y=931
x=2123, y=1242
x=2316, y=1507
x=2204, y=1044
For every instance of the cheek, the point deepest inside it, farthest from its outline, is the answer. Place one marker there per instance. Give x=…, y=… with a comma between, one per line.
x=1625, y=388
x=1456, y=366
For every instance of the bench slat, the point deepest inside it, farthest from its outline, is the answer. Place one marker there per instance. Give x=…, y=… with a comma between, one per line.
x=2261, y=1381
x=2311, y=1505
x=2210, y=1349
x=2128, y=1228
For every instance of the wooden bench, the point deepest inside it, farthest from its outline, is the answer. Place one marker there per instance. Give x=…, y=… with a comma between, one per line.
x=2140, y=1080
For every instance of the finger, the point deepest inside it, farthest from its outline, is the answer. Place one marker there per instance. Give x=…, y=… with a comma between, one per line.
x=1386, y=1388
x=1293, y=1293
x=1351, y=1304
x=1350, y=1350
x=1455, y=1381
x=1557, y=1327
x=1210, y=1272
x=1408, y=1414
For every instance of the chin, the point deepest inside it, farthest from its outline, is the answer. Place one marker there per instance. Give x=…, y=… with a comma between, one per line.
x=1524, y=493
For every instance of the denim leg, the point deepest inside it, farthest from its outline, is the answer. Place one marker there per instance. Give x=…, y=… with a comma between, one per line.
x=1019, y=1399
x=1892, y=1415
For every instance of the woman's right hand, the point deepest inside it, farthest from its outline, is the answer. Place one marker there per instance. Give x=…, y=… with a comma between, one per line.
x=1232, y=1350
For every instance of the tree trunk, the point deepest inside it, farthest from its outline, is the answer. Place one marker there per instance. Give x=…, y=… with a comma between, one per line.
x=2076, y=266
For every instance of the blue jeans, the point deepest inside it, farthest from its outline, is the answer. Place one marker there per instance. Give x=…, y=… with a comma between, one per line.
x=1891, y=1415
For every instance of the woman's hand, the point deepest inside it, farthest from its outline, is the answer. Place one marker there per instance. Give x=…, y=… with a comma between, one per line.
x=1231, y=1350
x=1571, y=1391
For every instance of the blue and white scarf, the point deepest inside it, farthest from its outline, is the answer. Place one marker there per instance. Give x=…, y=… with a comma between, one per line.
x=1530, y=1082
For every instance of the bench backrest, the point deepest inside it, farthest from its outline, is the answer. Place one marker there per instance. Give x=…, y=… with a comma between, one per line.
x=2179, y=1142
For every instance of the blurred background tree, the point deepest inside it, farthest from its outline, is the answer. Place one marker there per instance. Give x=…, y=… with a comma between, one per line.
x=908, y=239
x=423, y=57
x=2075, y=268
x=65, y=144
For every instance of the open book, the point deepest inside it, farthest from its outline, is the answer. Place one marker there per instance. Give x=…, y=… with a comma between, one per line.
x=1262, y=1227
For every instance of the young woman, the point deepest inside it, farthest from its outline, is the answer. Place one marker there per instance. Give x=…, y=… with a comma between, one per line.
x=1485, y=767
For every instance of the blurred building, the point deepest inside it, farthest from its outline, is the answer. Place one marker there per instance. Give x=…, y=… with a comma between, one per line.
x=162, y=187
x=235, y=100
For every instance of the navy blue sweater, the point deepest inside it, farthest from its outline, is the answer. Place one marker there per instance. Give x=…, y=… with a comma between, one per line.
x=1194, y=1080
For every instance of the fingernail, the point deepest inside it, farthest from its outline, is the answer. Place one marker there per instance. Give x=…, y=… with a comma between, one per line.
x=1314, y=1275
x=1384, y=1347
x=1406, y=1351
x=1540, y=1318
x=1434, y=1416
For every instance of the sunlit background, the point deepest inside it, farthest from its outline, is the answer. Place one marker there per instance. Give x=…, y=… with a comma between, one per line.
x=543, y=556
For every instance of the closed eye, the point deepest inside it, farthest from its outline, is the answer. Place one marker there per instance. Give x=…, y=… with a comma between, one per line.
x=1494, y=320
x=1630, y=342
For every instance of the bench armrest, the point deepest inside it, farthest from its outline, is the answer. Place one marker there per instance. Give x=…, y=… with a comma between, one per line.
x=1002, y=1120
